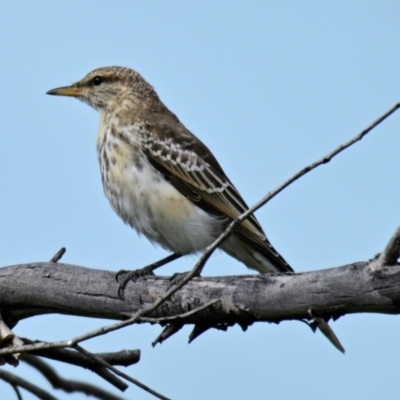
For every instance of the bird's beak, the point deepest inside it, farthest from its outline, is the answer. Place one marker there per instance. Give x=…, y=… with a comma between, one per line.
x=66, y=91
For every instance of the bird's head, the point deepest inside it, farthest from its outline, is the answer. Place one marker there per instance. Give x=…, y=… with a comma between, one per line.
x=111, y=89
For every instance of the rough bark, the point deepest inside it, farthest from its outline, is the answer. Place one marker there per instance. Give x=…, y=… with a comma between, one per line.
x=41, y=288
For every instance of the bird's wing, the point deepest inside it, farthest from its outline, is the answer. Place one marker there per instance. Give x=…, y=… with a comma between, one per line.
x=193, y=170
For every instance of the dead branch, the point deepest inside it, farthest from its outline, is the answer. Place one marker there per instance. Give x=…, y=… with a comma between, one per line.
x=67, y=385
x=75, y=358
x=124, y=357
x=16, y=381
x=42, y=288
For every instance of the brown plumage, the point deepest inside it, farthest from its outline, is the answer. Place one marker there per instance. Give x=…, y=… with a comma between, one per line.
x=160, y=178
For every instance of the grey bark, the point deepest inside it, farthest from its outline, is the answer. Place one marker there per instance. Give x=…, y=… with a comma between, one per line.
x=41, y=288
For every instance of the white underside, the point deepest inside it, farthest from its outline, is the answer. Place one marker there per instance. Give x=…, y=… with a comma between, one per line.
x=153, y=207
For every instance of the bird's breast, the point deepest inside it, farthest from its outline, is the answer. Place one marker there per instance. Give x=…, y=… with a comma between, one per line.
x=146, y=201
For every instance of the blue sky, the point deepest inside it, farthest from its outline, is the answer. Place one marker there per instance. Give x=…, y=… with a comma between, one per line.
x=269, y=87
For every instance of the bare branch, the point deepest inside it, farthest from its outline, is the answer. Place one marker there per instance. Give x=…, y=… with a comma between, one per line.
x=57, y=257
x=118, y=372
x=75, y=358
x=94, y=362
x=392, y=251
x=123, y=357
x=97, y=359
x=17, y=392
x=241, y=299
x=16, y=380
x=67, y=385
x=9, y=340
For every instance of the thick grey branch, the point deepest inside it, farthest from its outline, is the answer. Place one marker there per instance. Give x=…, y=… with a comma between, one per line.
x=40, y=288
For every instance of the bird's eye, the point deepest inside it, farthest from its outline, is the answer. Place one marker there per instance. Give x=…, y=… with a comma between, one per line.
x=97, y=80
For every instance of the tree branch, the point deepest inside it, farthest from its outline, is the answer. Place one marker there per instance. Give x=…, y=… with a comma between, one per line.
x=124, y=357
x=75, y=358
x=67, y=385
x=16, y=381
x=120, y=373
x=41, y=288
x=391, y=253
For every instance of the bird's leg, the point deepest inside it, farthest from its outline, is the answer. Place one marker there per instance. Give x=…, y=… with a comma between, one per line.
x=148, y=270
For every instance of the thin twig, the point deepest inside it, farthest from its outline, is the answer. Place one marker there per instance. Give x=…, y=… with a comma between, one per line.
x=58, y=255
x=119, y=373
x=17, y=391
x=97, y=332
x=392, y=251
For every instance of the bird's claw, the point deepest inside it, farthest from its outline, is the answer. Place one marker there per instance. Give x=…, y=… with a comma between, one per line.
x=178, y=277
x=131, y=275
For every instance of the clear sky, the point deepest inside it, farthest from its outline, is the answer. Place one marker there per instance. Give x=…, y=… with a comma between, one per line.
x=269, y=87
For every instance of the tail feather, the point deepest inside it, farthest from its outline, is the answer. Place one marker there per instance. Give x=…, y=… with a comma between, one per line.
x=262, y=261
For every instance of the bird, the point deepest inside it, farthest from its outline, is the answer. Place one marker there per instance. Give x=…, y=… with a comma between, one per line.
x=164, y=182
x=161, y=179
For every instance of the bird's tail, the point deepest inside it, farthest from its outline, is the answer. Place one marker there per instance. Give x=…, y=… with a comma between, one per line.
x=264, y=259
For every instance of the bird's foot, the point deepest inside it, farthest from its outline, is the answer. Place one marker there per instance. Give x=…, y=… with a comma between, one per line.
x=137, y=273
x=178, y=277
x=131, y=276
